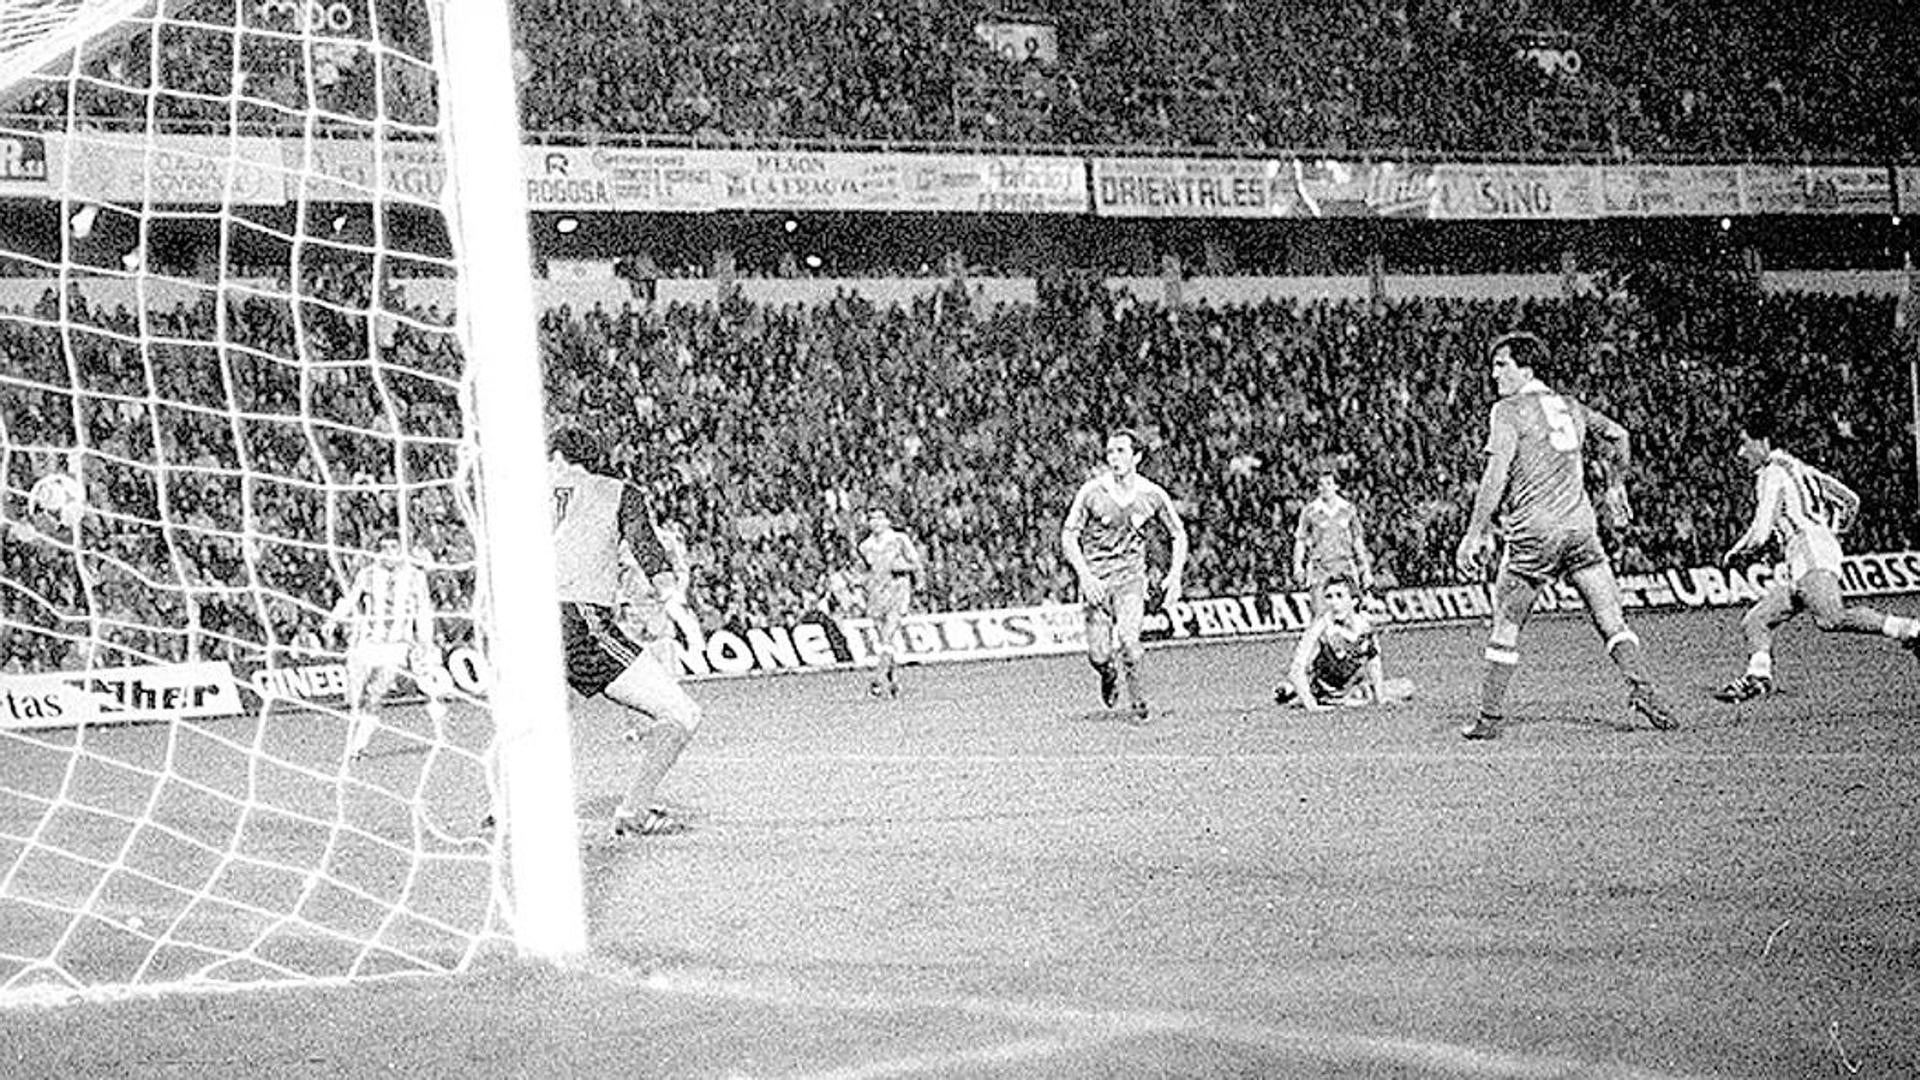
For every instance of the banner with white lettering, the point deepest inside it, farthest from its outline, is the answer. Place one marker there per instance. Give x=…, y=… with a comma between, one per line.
x=24, y=167
x=1906, y=186
x=118, y=695
x=1188, y=187
x=1019, y=41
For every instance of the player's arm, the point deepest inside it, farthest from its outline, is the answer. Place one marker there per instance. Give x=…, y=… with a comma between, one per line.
x=1503, y=441
x=1360, y=559
x=1772, y=480
x=1177, y=558
x=1299, y=672
x=349, y=601
x=1611, y=437
x=1090, y=584
x=641, y=541
x=1300, y=529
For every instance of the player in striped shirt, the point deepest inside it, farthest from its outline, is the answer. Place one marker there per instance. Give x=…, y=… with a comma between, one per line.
x=1535, y=480
x=387, y=613
x=595, y=518
x=1806, y=510
x=1102, y=540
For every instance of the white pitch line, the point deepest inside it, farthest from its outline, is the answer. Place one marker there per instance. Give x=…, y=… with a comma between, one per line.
x=1418, y=756
x=1078, y=1029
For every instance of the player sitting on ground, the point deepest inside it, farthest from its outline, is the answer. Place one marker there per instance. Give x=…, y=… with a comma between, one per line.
x=1806, y=510
x=1337, y=660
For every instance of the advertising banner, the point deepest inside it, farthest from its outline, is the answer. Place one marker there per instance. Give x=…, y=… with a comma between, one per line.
x=23, y=164
x=1906, y=182
x=1671, y=190
x=1516, y=192
x=1190, y=187
x=1328, y=188
x=118, y=695
x=1817, y=189
x=178, y=169
x=361, y=170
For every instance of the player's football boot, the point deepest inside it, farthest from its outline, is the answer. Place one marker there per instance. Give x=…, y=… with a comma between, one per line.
x=1138, y=712
x=1109, y=685
x=1648, y=703
x=1284, y=694
x=1745, y=688
x=654, y=822
x=876, y=688
x=1483, y=727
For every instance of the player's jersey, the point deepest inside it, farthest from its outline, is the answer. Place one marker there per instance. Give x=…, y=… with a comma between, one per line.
x=889, y=555
x=1797, y=501
x=1341, y=653
x=388, y=604
x=593, y=517
x=1329, y=528
x=1546, y=486
x=1110, y=520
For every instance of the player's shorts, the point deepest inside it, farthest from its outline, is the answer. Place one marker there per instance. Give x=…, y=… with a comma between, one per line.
x=1334, y=677
x=1810, y=550
x=375, y=655
x=1540, y=559
x=887, y=601
x=1125, y=584
x=598, y=651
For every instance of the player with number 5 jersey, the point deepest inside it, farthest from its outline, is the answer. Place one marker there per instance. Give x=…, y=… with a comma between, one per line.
x=1535, y=483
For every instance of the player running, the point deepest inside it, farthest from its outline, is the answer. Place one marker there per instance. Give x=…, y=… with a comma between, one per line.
x=387, y=613
x=1327, y=542
x=1806, y=510
x=1102, y=540
x=595, y=517
x=1535, y=480
x=1337, y=660
x=892, y=559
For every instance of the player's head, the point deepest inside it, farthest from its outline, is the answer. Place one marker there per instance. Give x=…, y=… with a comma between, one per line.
x=1123, y=451
x=1756, y=436
x=1516, y=358
x=1327, y=484
x=573, y=444
x=1341, y=594
x=877, y=518
x=387, y=548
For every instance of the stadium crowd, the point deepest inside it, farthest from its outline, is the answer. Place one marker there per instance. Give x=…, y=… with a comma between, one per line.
x=763, y=432
x=1702, y=77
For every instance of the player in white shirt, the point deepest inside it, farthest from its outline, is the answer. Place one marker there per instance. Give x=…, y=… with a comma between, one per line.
x=1806, y=510
x=597, y=521
x=892, y=559
x=387, y=614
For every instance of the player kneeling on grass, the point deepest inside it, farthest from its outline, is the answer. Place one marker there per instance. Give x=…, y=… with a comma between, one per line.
x=1337, y=661
x=595, y=518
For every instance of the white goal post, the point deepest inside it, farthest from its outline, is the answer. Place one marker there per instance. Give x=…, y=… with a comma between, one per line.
x=266, y=297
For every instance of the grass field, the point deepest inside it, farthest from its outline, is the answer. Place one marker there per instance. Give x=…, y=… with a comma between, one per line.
x=992, y=878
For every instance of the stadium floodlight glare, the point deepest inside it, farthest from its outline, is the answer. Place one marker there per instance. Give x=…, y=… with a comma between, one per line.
x=276, y=391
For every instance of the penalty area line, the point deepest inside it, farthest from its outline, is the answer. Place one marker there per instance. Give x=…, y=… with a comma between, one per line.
x=1068, y=1029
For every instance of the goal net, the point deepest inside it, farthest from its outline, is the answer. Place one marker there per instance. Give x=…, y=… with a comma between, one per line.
x=263, y=310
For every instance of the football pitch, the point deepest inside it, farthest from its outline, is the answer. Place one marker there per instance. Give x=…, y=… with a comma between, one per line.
x=992, y=877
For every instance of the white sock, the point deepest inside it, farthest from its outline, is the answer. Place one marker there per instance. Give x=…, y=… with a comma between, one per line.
x=1900, y=627
x=1760, y=665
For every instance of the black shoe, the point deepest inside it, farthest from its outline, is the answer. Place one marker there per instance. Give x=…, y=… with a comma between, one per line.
x=1483, y=727
x=655, y=822
x=876, y=689
x=1745, y=688
x=1138, y=712
x=1284, y=694
x=1109, y=686
x=1645, y=701
x=487, y=825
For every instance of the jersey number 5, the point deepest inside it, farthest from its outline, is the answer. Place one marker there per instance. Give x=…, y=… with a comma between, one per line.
x=1562, y=435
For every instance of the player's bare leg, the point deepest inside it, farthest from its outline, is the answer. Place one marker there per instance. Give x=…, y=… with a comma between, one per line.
x=1757, y=626
x=1513, y=598
x=1601, y=592
x=1820, y=591
x=1129, y=613
x=886, y=683
x=1100, y=650
x=648, y=689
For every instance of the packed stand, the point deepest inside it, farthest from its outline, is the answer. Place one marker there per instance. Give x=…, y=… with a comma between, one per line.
x=764, y=432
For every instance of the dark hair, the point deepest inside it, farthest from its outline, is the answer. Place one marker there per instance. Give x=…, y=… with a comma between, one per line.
x=1526, y=348
x=1132, y=437
x=1344, y=581
x=1758, y=423
x=575, y=445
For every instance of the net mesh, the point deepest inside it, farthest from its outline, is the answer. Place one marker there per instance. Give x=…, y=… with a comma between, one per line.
x=225, y=312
